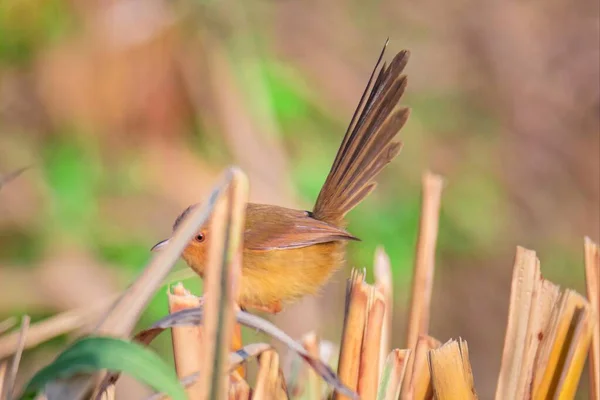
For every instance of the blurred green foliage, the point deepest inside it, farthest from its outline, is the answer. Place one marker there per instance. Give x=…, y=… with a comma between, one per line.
x=26, y=25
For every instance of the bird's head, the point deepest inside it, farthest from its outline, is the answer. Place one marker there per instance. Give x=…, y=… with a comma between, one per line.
x=195, y=253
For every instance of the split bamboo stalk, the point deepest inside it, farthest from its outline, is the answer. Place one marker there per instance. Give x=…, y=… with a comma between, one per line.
x=357, y=301
x=561, y=349
x=526, y=274
x=187, y=340
x=419, y=387
x=269, y=383
x=369, y=359
x=544, y=299
x=451, y=374
x=393, y=374
x=238, y=388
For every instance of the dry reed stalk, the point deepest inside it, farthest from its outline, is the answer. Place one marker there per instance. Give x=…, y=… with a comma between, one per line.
x=564, y=347
x=3, y=369
x=418, y=322
x=576, y=355
x=269, y=383
x=239, y=391
x=526, y=275
x=368, y=377
x=11, y=378
x=451, y=373
x=544, y=299
x=393, y=374
x=418, y=383
x=221, y=285
x=592, y=276
x=357, y=302
x=56, y=325
x=187, y=340
x=314, y=385
x=238, y=388
x=384, y=283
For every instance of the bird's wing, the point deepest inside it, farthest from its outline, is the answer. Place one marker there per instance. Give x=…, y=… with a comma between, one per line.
x=271, y=228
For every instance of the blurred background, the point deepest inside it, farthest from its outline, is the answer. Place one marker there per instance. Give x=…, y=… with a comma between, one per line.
x=128, y=110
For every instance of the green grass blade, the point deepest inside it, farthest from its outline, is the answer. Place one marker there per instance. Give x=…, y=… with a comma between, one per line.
x=97, y=353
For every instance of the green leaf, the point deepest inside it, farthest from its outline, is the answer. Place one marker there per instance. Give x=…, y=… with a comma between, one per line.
x=97, y=353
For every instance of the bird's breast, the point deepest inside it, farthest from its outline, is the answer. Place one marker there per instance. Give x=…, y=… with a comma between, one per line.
x=288, y=274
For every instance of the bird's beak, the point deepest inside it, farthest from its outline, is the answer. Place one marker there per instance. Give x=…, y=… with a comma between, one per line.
x=160, y=245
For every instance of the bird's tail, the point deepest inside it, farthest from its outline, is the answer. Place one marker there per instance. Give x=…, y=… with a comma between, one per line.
x=367, y=146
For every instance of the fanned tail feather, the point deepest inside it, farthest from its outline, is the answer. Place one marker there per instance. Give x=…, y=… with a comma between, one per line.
x=367, y=146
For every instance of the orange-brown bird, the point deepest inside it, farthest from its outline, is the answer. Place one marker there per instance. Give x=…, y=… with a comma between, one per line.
x=291, y=253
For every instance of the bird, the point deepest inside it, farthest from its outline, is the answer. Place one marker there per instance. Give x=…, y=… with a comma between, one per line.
x=289, y=253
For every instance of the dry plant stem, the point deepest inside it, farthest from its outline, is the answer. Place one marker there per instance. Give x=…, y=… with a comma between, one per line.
x=9, y=382
x=592, y=276
x=238, y=388
x=451, y=371
x=394, y=373
x=56, y=325
x=526, y=274
x=221, y=285
x=269, y=382
x=121, y=318
x=187, y=340
x=557, y=342
x=418, y=323
x=3, y=369
x=314, y=385
x=369, y=358
x=418, y=383
x=357, y=300
x=544, y=298
x=384, y=283
x=576, y=355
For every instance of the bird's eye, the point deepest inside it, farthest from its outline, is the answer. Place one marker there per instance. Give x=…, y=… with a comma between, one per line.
x=200, y=237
